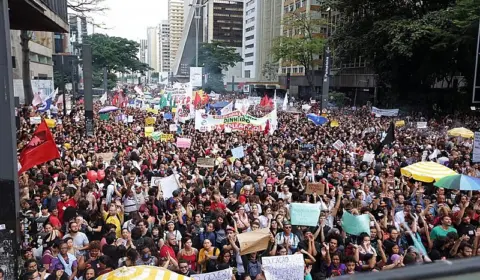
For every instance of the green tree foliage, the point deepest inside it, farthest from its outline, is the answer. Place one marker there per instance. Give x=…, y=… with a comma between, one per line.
x=215, y=57
x=410, y=44
x=303, y=48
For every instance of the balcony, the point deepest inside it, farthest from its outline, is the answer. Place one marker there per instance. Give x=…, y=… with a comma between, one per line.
x=39, y=15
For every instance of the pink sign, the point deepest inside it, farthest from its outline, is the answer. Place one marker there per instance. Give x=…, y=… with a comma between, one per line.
x=184, y=142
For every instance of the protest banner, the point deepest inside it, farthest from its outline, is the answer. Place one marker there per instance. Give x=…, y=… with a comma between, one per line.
x=172, y=127
x=304, y=214
x=149, y=131
x=184, y=142
x=150, y=121
x=355, y=224
x=338, y=145
x=167, y=184
x=421, y=125
x=156, y=135
x=289, y=267
x=399, y=123
x=476, y=147
x=318, y=188
x=254, y=241
x=206, y=162
x=236, y=121
x=130, y=119
x=50, y=123
x=385, y=112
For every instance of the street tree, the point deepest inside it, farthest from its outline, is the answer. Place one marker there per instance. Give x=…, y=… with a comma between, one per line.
x=215, y=57
x=116, y=54
x=411, y=45
x=303, y=45
x=80, y=7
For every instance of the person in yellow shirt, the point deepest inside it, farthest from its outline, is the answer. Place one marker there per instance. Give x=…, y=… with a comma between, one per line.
x=207, y=253
x=113, y=216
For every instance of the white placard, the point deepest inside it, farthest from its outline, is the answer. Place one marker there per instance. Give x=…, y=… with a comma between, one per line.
x=289, y=267
x=476, y=147
x=167, y=185
x=35, y=120
x=225, y=274
x=130, y=119
x=172, y=128
x=196, y=76
x=338, y=145
x=421, y=125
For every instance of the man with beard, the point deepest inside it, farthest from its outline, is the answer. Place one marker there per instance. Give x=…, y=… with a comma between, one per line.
x=80, y=240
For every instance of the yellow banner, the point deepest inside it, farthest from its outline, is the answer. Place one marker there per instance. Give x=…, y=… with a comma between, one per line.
x=399, y=123
x=149, y=131
x=150, y=121
x=153, y=111
x=174, y=110
x=334, y=124
x=166, y=137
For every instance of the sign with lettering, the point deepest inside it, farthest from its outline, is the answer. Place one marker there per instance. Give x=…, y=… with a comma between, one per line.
x=304, y=214
x=318, y=188
x=225, y=274
x=284, y=267
x=205, y=162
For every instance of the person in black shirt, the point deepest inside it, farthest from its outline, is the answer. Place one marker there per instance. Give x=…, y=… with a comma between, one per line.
x=233, y=203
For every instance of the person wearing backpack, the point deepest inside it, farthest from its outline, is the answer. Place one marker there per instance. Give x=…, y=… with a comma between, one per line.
x=207, y=256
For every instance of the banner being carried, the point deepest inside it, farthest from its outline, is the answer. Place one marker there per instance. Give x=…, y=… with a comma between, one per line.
x=385, y=112
x=236, y=121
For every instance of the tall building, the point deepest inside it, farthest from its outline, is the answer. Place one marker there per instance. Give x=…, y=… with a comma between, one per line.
x=221, y=21
x=261, y=27
x=176, y=25
x=142, y=54
x=164, y=43
x=78, y=31
x=152, y=48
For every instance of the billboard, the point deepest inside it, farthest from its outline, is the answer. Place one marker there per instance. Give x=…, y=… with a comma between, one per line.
x=196, y=76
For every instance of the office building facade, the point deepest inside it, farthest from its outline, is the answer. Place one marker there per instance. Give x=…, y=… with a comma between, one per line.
x=176, y=26
x=164, y=43
x=152, y=48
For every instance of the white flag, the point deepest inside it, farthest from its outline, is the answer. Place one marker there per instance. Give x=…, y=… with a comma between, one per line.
x=285, y=102
x=227, y=109
x=103, y=99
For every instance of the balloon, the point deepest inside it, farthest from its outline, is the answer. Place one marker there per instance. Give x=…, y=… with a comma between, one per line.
x=92, y=176
x=101, y=175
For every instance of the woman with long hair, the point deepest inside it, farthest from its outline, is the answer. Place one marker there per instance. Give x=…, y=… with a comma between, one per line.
x=50, y=253
x=189, y=254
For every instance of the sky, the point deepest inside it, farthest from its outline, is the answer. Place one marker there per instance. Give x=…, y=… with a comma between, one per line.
x=130, y=18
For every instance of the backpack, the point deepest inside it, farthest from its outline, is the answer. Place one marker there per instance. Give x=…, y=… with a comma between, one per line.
x=212, y=264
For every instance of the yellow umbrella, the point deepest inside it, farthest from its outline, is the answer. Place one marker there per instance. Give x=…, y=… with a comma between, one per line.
x=461, y=131
x=142, y=272
x=427, y=171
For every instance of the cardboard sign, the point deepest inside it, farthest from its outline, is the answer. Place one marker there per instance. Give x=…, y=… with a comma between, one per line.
x=318, y=188
x=206, y=162
x=254, y=241
x=107, y=157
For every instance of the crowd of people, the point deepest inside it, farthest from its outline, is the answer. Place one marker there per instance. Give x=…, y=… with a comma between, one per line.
x=74, y=228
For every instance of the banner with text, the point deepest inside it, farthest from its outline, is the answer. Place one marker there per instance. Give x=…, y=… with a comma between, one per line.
x=385, y=112
x=225, y=274
x=236, y=121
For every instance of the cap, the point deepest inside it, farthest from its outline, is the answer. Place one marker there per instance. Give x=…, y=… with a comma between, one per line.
x=229, y=228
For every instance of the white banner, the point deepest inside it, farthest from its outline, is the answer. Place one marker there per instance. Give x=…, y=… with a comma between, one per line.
x=242, y=105
x=227, y=109
x=385, y=112
x=235, y=121
x=289, y=267
x=476, y=147
x=225, y=274
x=196, y=76
x=421, y=125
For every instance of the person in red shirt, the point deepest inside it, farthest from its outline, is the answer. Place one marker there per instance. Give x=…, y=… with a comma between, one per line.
x=167, y=252
x=66, y=201
x=217, y=202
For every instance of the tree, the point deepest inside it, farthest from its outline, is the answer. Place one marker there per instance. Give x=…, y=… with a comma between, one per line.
x=80, y=7
x=304, y=46
x=411, y=45
x=116, y=54
x=215, y=57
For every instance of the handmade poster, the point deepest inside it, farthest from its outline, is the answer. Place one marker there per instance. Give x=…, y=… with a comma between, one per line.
x=35, y=120
x=206, y=162
x=225, y=274
x=355, y=224
x=149, y=131
x=318, y=188
x=166, y=137
x=50, y=123
x=184, y=143
x=290, y=267
x=150, y=121
x=254, y=241
x=238, y=152
x=304, y=214
x=236, y=121
x=172, y=128
x=421, y=125
x=167, y=185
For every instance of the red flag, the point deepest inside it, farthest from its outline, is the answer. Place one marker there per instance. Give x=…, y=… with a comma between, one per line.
x=197, y=99
x=40, y=149
x=206, y=98
x=265, y=102
x=267, y=128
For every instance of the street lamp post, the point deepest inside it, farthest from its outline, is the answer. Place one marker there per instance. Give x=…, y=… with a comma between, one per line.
x=197, y=17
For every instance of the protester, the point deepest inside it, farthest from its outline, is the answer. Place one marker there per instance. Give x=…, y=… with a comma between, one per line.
x=121, y=198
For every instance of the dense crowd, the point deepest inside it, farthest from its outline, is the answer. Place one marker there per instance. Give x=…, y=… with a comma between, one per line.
x=74, y=228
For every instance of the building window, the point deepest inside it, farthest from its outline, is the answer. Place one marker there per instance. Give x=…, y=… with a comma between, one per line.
x=301, y=69
x=251, y=37
x=284, y=70
x=248, y=63
x=250, y=20
x=251, y=28
x=295, y=70
x=249, y=46
x=249, y=54
x=252, y=10
x=250, y=2
x=247, y=73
